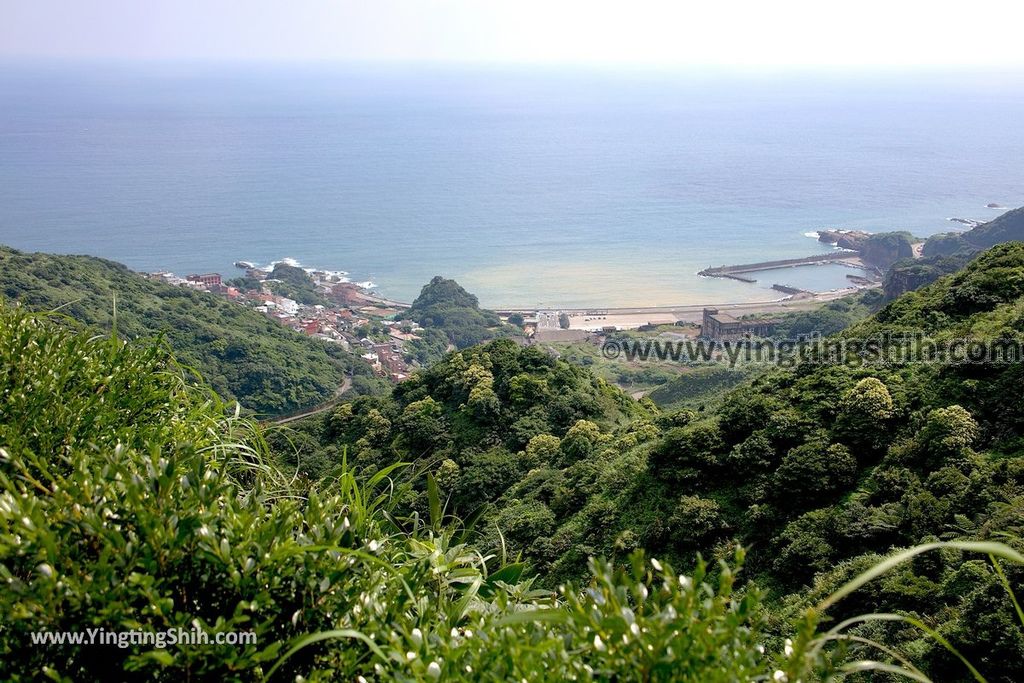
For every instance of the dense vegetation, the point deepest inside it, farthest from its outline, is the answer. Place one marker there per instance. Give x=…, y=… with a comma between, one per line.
x=131, y=497
x=829, y=318
x=136, y=502
x=241, y=353
x=703, y=385
x=910, y=274
x=699, y=387
x=293, y=282
x=452, y=318
x=818, y=470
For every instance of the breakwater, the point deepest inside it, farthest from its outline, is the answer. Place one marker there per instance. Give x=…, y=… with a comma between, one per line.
x=735, y=272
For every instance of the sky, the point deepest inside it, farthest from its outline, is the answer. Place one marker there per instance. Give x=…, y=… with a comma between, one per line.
x=667, y=33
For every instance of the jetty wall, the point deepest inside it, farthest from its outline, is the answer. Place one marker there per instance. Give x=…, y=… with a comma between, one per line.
x=733, y=271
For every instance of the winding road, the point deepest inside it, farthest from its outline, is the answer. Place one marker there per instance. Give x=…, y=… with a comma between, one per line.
x=345, y=386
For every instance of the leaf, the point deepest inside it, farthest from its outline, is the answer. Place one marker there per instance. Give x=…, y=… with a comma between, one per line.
x=325, y=635
x=384, y=473
x=161, y=656
x=434, y=498
x=510, y=574
x=530, y=616
x=472, y=520
x=869, y=665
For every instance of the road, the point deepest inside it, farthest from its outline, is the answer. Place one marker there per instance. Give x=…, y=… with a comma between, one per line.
x=345, y=386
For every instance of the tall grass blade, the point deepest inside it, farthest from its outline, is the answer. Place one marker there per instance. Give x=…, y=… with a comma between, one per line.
x=308, y=640
x=1009, y=589
x=988, y=548
x=868, y=665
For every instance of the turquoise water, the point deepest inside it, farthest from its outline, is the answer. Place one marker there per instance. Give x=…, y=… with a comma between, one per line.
x=555, y=188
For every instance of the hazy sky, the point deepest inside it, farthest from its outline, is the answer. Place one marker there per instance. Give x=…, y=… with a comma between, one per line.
x=771, y=33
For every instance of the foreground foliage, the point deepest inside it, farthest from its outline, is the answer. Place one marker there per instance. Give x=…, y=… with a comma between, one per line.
x=131, y=500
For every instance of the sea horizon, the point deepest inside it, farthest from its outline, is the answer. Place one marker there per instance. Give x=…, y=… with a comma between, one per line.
x=530, y=187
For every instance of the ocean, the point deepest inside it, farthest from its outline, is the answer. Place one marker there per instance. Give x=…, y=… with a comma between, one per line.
x=530, y=187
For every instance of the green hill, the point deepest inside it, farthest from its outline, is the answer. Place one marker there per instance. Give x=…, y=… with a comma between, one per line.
x=818, y=470
x=1008, y=227
x=946, y=253
x=133, y=504
x=241, y=353
x=451, y=318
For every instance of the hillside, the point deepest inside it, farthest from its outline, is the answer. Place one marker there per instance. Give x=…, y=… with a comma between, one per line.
x=1007, y=227
x=818, y=470
x=451, y=317
x=948, y=252
x=241, y=353
x=137, y=505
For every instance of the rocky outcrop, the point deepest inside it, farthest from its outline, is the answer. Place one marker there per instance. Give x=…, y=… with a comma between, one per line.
x=879, y=249
x=908, y=275
x=845, y=239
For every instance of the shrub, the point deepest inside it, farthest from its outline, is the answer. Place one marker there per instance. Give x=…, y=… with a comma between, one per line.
x=132, y=499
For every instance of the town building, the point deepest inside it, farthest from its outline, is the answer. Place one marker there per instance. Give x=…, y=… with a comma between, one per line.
x=718, y=325
x=206, y=279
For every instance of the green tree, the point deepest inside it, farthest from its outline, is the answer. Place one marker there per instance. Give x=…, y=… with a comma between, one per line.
x=864, y=415
x=814, y=473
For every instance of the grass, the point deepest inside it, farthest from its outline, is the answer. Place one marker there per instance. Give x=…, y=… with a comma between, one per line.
x=132, y=498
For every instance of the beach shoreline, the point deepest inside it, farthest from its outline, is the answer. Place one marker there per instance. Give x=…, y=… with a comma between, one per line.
x=631, y=317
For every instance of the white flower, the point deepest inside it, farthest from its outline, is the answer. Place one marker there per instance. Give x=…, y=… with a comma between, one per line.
x=598, y=643
x=410, y=656
x=46, y=570
x=417, y=637
x=780, y=676
x=789, y=648
x=656, y=564
x=434, y=670
x=685, y=582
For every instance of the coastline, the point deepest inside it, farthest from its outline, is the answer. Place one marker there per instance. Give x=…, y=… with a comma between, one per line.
x=365, y=297
x=591, y=318
x=631, y=317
